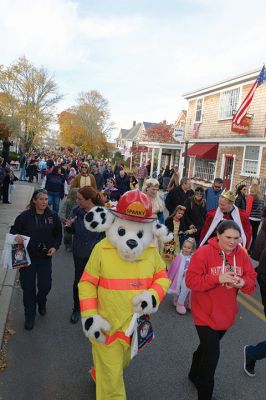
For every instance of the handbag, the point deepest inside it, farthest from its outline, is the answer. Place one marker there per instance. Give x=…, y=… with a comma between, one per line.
x=15, y=255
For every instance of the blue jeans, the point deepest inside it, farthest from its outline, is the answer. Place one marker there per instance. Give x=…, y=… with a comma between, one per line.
x=257, y=352
x=22, y=175
x=54, y=200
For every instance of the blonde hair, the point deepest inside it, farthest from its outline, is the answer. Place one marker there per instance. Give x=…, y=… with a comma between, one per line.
x=255, y=190
x=151, y=182
x=156, y=202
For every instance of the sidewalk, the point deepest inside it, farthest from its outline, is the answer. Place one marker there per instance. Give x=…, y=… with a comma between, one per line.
x=8, y=212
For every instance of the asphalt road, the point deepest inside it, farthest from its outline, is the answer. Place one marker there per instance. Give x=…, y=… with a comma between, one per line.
x=51, y=362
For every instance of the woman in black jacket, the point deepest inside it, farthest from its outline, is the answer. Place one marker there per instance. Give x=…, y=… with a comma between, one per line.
x=241, y=193
x=195, y=213
x=83, y=240
x=44, y=228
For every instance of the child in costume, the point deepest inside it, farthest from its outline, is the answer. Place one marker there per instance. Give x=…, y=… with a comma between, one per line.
x=174, y=224
x=177, y=274
x=125, y=276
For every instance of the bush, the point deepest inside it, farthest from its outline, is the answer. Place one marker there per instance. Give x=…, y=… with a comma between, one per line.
x=13, y=156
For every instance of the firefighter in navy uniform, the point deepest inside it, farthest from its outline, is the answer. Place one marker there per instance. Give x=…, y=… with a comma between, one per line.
x=44, y=228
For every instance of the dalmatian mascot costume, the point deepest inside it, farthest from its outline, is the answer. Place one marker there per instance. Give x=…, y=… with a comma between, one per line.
x=124, y=275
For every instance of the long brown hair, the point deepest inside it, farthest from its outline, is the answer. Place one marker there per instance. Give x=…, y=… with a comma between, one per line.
x=89, y=192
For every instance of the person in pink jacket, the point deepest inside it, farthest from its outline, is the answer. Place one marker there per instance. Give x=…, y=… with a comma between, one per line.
x=215, y=274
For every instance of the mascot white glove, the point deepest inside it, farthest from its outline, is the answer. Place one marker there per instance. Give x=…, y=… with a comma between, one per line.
x=144, y=303
x=94, y=327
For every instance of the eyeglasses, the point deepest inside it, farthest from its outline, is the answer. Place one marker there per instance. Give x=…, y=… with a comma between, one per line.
x=84, y=167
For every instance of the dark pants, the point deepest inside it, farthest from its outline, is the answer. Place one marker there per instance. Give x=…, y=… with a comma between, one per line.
x=255, y=226
x=258, y=352
x=42, y=270
x=6, y=183
x=80, y=264
x=261, y=278
x=205, y=360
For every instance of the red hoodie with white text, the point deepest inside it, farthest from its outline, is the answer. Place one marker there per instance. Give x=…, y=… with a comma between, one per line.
x=212, y=303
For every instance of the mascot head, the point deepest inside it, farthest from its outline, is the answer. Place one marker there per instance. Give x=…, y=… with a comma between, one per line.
x=130, y=227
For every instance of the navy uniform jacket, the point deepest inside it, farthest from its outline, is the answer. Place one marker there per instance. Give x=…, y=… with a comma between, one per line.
x=45, y=228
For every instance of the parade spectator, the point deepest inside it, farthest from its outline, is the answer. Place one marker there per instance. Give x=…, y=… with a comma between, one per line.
x=6, y=183
x=213, y=194
x=253, y=354
x=175, y=225
x=254, y=210
x=148, y=167
x=32, y=170
x=111, y=190
x=133, y=180
x=6, y=148
x=122, y=182
x=226, y=210
x=177, y=274
x=83, y=239
x=142, y=174
x=108, y=173
x=174, y=181
x=214, y=298
x=166, y=177
x=71, y=175
x=56, y=186
x=195, y=213
x=44, y=228
x=259, y=254
x=65, y=213
x=2, y=176
x=42, y=167
x=22, y=167
x=84, y=178
x=241, y=193
x=117, y=168
x=101, y=167
x=178, y=195
x=98, y=177
x=151, y=189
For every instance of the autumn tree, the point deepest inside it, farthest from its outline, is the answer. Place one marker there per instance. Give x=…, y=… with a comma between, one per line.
x=27, y=96
x=87, y=125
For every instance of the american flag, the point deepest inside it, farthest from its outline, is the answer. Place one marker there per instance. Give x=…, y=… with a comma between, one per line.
x=241, y=112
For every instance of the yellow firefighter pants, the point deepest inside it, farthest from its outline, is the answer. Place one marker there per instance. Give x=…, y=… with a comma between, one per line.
x=109, y=362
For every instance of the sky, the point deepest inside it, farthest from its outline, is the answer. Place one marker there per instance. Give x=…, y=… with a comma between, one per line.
x=141, y=55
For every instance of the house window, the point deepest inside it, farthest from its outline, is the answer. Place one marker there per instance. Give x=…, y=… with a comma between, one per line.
x=228, y=103
x=199, y=110
x=251, y=160
x=204, y=169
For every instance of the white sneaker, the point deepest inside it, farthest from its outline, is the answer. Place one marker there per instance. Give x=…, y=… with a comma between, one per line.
x=181, y=309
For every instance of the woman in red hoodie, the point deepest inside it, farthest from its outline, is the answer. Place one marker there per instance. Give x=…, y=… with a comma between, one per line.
x=215, y=274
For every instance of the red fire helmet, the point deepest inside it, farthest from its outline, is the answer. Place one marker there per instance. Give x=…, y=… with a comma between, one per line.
x=135, y=206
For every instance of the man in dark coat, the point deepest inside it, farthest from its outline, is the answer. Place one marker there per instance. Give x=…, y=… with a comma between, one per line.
x=178, y=195
x=122, y=182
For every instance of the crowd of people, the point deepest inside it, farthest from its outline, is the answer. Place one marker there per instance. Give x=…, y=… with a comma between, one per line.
x=208, y=261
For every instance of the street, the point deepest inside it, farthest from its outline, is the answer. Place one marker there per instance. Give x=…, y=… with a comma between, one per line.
x=52, y=361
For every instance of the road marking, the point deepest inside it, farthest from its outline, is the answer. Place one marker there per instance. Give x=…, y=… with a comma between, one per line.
x=252, y=309
x=253, y=300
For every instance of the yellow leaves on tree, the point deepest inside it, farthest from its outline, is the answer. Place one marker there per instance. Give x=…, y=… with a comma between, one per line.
x=85, y=127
